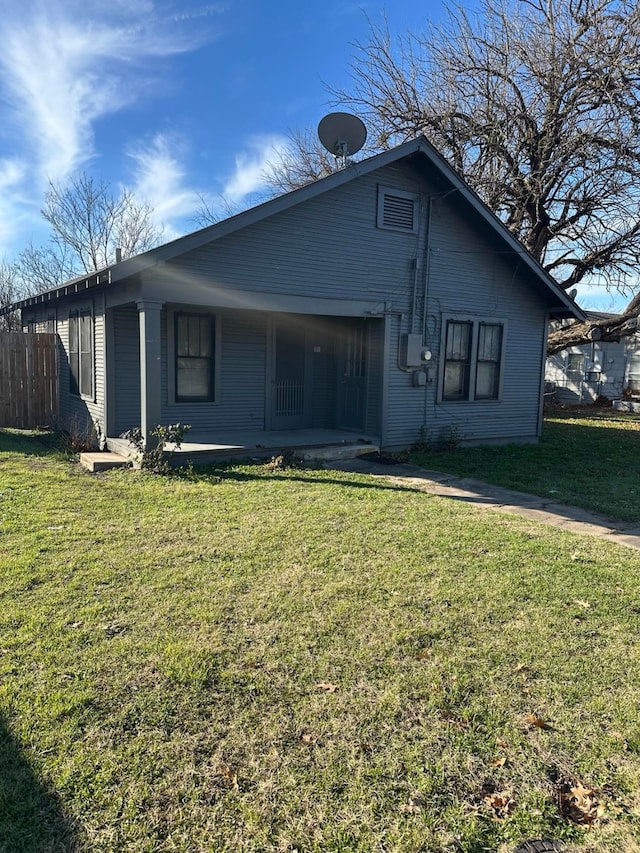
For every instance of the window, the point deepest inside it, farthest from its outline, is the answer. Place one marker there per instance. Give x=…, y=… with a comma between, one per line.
x=457, y=361
x=81, y=353
x=194, y=346
x=488, y=363
x=575, y=363
x=397, y=210
x=472, y=362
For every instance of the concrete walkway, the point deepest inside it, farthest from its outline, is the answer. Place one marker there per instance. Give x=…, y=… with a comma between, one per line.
x=542, y=510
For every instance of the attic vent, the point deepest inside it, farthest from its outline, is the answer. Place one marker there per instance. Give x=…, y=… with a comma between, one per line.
x=397, y=210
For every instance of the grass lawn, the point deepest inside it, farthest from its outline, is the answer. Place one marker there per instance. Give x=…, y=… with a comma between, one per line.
x=588, y=458
x=304, y=661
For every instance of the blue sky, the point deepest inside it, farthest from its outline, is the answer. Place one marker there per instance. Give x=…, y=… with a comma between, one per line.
x=172, y=98
x=169, y=97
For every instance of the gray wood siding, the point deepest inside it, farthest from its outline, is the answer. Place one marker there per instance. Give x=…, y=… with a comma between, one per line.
x=77, y=414
x=469, y=279
x=327, y=247
x=126, y=363
x=240, y=397
x=375, y=365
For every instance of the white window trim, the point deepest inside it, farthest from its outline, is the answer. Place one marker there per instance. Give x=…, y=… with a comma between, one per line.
x=476, y=322
x=171, y=354
x=392, y=191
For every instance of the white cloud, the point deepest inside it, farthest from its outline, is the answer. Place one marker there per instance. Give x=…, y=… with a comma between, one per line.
x=160, y=180
x=12, y=174
x=251, y=167
x=63, y=66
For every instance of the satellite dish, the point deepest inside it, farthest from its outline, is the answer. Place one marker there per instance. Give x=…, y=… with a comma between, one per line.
x=342, y=134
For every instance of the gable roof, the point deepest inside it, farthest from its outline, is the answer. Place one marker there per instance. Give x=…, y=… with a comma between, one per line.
x=561, y=304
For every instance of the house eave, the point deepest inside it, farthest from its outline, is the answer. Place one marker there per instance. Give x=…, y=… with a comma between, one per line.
x=69, y=288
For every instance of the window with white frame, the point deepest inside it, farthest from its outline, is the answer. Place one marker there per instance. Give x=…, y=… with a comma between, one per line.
x=81, y=366
x=473, y=356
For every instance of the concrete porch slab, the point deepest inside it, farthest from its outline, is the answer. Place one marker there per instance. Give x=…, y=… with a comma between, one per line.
x=95, y=462
x=309, y=444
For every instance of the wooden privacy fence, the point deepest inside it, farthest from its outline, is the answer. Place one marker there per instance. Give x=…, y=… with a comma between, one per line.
x=28, y=379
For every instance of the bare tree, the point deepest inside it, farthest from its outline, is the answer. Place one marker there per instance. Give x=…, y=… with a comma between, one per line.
x=537, y=104
x=39, y=268
x=210, y=211
x=88, y=222
x=9, y=293
x=302, y=163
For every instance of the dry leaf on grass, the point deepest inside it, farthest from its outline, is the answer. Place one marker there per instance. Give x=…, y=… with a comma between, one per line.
x=499, y=762
x=501, y=804
x=537, y=722
x=423, y=655
x=229, y=776
x=415, y=805
x=308, y=738
x=578, y=803
x=327, y=686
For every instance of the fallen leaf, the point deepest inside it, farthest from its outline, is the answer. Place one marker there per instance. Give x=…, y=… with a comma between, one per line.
x=308, y=738
x=113, y=629
x=423, y=655
x=326, y=685
x=538, y=723
x=578, y=803
x=416, y=803
x=501, y=803
x=502, y=743
x=229, y=776
x=499, y=762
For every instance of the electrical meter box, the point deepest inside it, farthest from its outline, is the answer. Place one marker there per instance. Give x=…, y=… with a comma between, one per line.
x=411, y=349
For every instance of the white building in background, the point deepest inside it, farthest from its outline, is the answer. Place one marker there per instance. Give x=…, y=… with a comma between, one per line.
x=580, y=375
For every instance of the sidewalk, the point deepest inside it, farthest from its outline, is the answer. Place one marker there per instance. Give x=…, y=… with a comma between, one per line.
x=542, y=510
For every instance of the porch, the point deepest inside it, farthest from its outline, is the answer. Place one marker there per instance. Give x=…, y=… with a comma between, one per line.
x=308, y=444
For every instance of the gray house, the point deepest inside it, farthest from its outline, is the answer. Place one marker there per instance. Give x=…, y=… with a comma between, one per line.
x=385, y=302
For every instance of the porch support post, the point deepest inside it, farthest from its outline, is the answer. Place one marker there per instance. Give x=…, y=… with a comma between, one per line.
x=149, y=317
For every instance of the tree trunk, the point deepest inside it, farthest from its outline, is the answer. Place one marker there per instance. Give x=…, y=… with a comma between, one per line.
x=608, y=329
